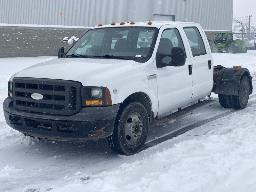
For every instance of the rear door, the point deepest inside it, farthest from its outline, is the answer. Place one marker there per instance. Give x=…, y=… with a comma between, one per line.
x=202, y=69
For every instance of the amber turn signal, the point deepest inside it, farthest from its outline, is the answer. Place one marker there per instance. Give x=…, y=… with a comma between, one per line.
x=96, y=96
x=107, y=98
x=94, y=102
x=237, y=67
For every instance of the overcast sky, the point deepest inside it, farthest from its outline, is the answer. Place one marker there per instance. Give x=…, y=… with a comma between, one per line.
x=243, y=8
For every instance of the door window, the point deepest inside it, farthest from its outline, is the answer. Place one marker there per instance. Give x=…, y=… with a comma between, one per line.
x=195, y=40
x=170, y=38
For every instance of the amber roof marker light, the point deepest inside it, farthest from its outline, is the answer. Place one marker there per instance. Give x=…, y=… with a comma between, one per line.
x=150, y=23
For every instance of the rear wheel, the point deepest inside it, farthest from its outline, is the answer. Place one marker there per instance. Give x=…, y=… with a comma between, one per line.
x=226, y=101
x=241, y=101
x=131, y=130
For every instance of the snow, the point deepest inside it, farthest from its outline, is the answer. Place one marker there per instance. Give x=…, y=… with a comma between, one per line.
x=216, y=157
x=211, y=158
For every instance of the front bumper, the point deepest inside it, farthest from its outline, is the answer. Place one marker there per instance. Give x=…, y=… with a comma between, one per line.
x=89, y=124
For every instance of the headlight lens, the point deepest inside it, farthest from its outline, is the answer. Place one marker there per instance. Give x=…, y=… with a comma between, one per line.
x=97, y=93
x=96, y=96
x=10, y=88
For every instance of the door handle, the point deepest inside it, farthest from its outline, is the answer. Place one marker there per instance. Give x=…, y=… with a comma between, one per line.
x=153, y=76
x=190, y=69
x=210, y=64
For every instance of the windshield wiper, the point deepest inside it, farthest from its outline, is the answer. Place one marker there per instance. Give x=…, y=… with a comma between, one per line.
x=77, y=56
x=107, y=56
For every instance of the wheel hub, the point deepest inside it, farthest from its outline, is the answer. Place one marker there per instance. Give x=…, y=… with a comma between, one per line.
x=133, y=128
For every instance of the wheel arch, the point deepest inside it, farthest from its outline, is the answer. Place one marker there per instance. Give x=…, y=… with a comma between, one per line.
x=140, y=97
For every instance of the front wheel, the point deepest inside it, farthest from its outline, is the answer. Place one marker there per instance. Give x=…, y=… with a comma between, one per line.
x=131, y=130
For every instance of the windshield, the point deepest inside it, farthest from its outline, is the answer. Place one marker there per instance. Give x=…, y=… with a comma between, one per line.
x=131, y=43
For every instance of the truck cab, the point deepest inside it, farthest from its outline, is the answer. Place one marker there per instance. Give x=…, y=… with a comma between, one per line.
x=113, y=83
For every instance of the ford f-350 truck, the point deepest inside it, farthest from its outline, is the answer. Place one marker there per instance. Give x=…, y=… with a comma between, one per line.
x=116, y=80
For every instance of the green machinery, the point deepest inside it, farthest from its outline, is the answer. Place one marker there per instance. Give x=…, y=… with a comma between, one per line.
x=224, y=42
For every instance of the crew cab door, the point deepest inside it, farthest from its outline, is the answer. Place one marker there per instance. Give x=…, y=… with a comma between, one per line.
x=174, y=82
x=201, y=59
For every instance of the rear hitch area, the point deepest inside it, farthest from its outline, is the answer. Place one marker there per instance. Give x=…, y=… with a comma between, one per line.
x=233, y=86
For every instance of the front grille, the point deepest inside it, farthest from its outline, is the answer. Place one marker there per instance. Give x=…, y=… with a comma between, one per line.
x=60, y=97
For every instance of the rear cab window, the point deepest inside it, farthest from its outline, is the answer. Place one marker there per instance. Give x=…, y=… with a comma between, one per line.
x=195, y=41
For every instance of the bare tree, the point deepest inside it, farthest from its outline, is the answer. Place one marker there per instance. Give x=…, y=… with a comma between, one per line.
x=245, y=28
x=241, y=27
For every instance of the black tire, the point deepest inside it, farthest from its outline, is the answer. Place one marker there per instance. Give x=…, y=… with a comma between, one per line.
x=226, y=101
x=241, y=101
x=131, y=130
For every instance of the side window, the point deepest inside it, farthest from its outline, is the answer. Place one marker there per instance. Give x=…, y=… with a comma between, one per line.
x=170, y=38
x=195, y=40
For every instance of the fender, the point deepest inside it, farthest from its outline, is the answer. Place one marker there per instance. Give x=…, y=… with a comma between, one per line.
x=227, y=80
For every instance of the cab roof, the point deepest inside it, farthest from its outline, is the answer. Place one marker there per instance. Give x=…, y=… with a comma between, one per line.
x=157, y=24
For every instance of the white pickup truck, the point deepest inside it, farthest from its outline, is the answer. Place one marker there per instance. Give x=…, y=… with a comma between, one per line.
x=116, y=80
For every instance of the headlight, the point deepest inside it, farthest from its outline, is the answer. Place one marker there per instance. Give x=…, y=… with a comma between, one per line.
x=96, y=93
x=96, y=96
x=10, y=89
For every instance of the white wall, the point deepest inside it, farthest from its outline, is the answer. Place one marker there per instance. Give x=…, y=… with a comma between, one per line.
x=212, y=14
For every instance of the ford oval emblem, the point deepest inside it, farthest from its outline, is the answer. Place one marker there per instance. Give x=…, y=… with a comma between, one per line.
x=37, y=96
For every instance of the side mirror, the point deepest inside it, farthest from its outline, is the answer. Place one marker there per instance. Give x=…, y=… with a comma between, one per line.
x=71, y=40
x=65, y=39
x=61, y=53
x=178, y=57
x=163, y=60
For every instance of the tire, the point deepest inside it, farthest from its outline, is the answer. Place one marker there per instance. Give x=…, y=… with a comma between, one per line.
x=131, y=130
x=241, y=101
x=226, y=101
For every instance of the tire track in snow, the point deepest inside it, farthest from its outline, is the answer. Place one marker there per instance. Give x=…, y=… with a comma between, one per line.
x=190, y=127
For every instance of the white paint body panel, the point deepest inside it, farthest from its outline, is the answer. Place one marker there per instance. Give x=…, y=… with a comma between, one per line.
x=174, y=83
x=172, y=88
x=202, y=76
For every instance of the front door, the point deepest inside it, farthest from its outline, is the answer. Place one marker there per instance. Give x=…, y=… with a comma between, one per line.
x=174, y=82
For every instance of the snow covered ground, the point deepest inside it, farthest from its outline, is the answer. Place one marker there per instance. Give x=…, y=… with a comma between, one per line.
x=216, y=157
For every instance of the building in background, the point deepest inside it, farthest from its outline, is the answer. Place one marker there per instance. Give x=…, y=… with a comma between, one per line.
x=20, y=36
x=211, y=14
